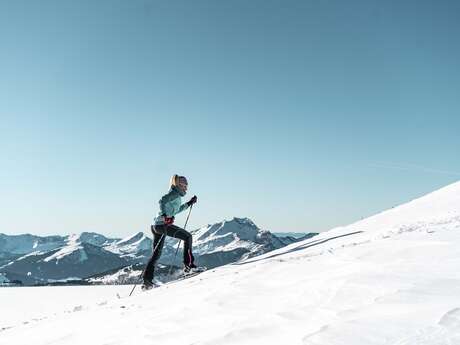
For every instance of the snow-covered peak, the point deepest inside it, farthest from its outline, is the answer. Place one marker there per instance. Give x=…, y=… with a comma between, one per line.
x=131, y=245
x=233, y=240
x=76, y=246
x=73, y=245
x=89, y=237
x=136, y=238
x=243, y=228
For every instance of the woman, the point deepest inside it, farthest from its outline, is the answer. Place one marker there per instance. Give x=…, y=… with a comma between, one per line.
x=170, y=205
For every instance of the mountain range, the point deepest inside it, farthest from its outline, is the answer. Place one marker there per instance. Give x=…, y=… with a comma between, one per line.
x=92, y=258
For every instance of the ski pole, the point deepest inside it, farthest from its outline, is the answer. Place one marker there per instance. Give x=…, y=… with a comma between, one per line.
x=178, y=242
x=142, y=274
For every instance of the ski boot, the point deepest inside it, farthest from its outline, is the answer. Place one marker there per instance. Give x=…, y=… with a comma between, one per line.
x=193, y=269
x=147, y=285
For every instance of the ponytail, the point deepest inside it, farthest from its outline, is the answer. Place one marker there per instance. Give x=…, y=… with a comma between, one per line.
x=174, y=180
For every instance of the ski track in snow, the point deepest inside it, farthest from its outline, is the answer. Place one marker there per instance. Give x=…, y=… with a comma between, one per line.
x=392, y=279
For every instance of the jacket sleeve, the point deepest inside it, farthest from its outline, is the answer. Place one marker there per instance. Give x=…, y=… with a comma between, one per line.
x=183, y=207
x=164, y=200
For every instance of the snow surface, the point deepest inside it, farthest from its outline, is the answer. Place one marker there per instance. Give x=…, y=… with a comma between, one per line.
x=392, y=279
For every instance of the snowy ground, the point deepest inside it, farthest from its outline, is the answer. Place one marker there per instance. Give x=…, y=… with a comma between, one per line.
x=391, y=279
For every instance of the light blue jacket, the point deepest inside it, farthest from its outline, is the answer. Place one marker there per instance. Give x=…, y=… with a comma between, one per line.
x=170, y=205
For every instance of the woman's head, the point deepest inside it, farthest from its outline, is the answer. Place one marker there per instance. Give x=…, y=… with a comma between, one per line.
x=180, y=182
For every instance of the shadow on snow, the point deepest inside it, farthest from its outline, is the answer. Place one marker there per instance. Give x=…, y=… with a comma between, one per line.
x=300, y=247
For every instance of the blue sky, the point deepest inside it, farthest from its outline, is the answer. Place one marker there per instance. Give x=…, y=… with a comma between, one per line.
x=302, y=115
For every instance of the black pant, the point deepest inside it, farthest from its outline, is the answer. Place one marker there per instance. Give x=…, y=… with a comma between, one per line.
x=159, y=235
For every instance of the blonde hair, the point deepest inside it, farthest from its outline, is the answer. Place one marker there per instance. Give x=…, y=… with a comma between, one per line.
x=174, y=180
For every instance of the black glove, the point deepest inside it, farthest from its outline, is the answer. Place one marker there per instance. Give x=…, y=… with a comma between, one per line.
x=192, y=201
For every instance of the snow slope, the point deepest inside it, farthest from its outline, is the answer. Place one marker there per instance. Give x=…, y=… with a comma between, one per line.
x=390, y=279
